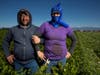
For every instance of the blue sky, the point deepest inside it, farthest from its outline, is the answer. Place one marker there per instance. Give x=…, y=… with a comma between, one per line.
x=77, y=13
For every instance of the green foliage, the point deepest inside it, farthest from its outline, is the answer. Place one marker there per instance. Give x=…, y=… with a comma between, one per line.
x=84, y=61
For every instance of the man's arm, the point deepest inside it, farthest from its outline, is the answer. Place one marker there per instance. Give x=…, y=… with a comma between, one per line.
x=38, y=37
x=6, y=45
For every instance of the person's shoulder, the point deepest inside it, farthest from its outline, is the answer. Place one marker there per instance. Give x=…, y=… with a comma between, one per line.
x=45, y=24
x=13, y=27
x=69, y=27
x=34, y=26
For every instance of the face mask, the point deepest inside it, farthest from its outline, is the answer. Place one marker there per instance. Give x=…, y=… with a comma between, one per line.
x=56, y=21
x=56, y=18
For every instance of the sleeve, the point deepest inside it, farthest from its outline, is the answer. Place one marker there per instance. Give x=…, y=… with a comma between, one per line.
x=72, y=36
x=37, y=47
x=6, y=43
x=39, y=34
x=40, y=31
x=70, y=31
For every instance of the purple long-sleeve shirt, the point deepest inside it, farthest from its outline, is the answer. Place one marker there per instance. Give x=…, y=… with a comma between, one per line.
x=55, y=40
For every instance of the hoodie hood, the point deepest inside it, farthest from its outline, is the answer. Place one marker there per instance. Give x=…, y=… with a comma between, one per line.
x=26, y=12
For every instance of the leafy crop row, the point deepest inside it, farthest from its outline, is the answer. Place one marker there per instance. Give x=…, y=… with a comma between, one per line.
x=84, y=61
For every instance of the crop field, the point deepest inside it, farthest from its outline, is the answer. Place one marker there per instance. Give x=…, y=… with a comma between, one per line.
x=84, y=61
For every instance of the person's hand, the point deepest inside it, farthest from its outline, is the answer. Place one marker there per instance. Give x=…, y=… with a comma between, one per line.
x=68, y=55
x=35, y=39
x=11, y=59
x=41, y=55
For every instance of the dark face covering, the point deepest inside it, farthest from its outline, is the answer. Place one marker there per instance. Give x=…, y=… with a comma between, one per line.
x=56, y=21
x=55, y=18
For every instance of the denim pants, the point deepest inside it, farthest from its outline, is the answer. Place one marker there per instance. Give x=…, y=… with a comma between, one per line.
x=54, y=63
x=31, y=66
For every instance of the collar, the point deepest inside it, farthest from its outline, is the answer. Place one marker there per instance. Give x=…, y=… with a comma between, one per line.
x=24, y=27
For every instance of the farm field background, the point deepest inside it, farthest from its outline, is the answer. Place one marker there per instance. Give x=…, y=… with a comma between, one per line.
x=84, y=61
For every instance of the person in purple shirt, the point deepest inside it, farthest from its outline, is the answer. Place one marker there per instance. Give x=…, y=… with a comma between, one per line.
x=55, y=33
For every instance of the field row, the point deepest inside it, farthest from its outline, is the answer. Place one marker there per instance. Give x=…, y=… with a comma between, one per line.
x=84, y=61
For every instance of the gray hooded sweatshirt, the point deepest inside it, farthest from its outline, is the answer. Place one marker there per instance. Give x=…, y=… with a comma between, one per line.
x=24, y=48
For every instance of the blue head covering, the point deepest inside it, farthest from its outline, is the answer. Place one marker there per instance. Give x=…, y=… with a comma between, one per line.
x=57, y=20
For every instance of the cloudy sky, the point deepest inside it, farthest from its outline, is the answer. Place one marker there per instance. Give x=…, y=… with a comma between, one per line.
x=77, y=13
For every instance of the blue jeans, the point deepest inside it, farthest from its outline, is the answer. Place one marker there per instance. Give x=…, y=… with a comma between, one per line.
x=31, y=66
x=54, y=63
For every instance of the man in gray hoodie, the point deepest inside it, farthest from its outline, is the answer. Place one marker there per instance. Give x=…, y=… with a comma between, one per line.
x=23, y=56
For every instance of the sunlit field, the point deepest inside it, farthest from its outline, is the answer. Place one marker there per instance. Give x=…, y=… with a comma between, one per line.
x=84, y=61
